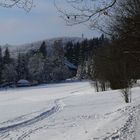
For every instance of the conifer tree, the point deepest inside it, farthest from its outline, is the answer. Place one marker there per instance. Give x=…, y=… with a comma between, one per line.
x=36, y=67
x=21, y=68
x=1, y=65
x=69, y=51
x=6, y=57
x=43, y=49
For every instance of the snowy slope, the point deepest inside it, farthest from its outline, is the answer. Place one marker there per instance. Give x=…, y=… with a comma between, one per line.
x=67, y=111
x=14, y=49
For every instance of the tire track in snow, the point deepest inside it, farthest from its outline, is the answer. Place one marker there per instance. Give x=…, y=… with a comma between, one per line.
x=57, y=106
x=137, y=128
x=20, y=118
x=127, y=131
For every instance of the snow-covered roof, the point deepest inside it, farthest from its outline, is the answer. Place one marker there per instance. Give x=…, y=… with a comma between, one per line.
x=23, y=81
x=70, y=65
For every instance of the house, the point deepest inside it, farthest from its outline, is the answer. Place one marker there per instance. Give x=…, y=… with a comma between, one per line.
x=72, y=68
x=70, y=65
x=23, y=83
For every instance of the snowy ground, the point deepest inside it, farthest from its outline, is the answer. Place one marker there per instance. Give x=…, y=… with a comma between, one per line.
x=68, y=111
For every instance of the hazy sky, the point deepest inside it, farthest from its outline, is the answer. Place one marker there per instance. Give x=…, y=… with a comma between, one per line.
x=42, y=22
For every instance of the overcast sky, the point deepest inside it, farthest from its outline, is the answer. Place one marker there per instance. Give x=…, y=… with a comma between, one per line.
x=42, y=22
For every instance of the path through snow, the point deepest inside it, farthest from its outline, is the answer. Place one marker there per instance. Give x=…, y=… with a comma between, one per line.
x=138, y=126
x=68, y=111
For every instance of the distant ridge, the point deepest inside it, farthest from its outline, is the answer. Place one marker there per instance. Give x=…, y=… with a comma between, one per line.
x=14, y=49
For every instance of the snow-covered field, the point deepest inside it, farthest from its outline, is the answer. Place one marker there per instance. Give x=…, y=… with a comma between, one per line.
x=68, y=111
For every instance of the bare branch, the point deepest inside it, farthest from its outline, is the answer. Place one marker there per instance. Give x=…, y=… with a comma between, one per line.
x=81, y=11
x=25, y=4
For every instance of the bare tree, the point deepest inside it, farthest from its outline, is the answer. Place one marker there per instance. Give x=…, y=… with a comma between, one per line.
x=124, y=64
x=25, y=4
x=85, y=11
x=126, y=19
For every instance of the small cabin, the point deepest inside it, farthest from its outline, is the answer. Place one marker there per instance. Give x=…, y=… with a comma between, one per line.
x=70, y=65
x=23, y=83
x=72, y=68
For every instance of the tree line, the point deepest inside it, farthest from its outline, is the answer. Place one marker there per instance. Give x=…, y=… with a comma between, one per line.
x=38, y=65
x=113, y=61
x=81, y=54
x=35, y=65
x=117, y=62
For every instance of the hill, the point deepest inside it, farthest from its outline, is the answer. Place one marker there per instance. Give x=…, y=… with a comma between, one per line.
x=23, y=48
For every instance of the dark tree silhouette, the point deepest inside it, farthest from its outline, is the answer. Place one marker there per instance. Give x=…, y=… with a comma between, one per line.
x=6, y=57
x=1, y=65
x=43, y=49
